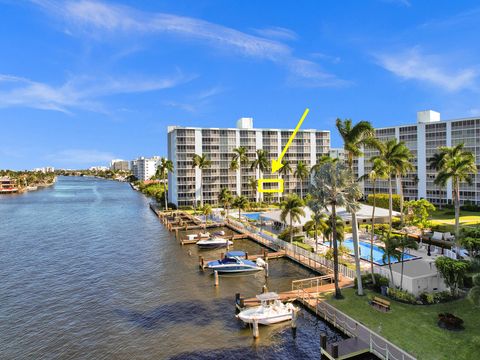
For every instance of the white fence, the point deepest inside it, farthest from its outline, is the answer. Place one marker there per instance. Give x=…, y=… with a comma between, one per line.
x=306, y=257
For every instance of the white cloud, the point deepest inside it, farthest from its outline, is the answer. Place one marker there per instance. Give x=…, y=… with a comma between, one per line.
x=80, y=92
x=412, y=64
x=100, y=19
x=80, y=157
x=276, y=32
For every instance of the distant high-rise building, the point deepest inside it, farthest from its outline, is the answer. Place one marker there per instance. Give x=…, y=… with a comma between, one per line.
x=46, y=169
x=423, y=140
x=119, y=165
x=218, y=144
x=144, y=168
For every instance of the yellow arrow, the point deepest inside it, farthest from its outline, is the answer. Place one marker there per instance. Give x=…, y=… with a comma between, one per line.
x=277, y=164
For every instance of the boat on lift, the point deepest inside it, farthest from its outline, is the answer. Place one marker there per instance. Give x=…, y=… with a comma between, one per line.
x=270, y=311
x=214, y=242
x=204, y=235
x=233, y=263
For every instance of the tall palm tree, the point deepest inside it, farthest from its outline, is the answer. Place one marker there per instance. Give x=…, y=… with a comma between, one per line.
x=458, y=165
x=239, y=159
x=226, y=199
x=292, y=207
x=352, y=206
x=391, y=244
x=163, y=169
x=260, y=163
x=319, y=221
x=322, y=160
x=241, y=203
x=285, y=169
x=395, y=157
x=379, y=171
x=330, y=189
x=355, y=137
x=202, y=162
x=405, y=242
x=301, y=173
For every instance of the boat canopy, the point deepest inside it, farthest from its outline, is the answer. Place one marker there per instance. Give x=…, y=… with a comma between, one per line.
x=235, y=254
x=267, y=296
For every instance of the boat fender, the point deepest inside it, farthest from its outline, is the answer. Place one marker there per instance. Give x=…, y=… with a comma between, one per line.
x=261, y=262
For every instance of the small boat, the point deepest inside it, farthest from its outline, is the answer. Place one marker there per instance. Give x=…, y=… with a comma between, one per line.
x=199, y=235
x=214, y=243
x=219, y=233
x=270, y=311
x=233, y=263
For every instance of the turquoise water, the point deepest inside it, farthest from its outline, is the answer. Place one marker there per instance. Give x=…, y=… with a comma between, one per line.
x=252, y=216
x=89, y=272
x=377, y=252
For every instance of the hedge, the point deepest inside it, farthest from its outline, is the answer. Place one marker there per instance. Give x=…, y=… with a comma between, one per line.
x=382, y=200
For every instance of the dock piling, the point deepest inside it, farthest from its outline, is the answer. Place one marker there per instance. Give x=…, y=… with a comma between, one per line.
x=323, y=341
x=215, y=273
x=294, y=324
x=202, y=262
x=266, y=269
x=255, y=329
x=246, y=255
x=335, y=350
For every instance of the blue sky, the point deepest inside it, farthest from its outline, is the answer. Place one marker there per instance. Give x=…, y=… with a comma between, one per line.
x=82, y=82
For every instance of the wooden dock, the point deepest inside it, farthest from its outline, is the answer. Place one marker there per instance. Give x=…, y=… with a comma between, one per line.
x=314, y=288
x=345, y=349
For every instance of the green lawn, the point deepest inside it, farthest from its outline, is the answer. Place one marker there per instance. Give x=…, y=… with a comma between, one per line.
x=414, y=327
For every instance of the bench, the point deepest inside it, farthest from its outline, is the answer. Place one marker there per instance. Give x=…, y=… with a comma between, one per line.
x=380, y=303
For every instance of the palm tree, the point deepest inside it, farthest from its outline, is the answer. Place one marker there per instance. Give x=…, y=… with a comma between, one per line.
x=355, y=138
x=395, y=157
x=163, y=168
x=301, y=173
x=405, y=242
x=239, y=159
x=202, y=162
x=292, y=207
x=226, y=199
x=458, y=165
x=329, y=189
x=285, y=169
x=240, y=202
x=391, y=244
x=322, y=160
x=379, y=171
x=207, y=211
x=260, y=163
x=352, y=207
x=319, y=221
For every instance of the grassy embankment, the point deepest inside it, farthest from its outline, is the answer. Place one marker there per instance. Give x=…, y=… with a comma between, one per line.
x=414, y=327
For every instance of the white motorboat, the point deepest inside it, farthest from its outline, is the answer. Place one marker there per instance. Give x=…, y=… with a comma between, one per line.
x=214, y=243
x=233, y=263
x=270, y=311
x=199, y=235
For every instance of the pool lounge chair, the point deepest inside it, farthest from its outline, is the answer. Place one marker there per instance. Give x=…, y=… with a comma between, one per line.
x=437, y=236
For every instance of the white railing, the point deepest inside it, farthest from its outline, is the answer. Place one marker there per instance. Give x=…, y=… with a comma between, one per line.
x=378, y=345
x=310, y=259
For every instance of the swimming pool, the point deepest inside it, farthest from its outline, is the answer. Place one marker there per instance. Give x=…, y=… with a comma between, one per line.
x=378, y=252
x=253, y=216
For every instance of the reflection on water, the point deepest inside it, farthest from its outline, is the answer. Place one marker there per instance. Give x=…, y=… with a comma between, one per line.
x=89, y=272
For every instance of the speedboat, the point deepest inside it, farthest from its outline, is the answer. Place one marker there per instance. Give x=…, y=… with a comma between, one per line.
x=232, y=263
x=199, y=235
x=214, y=243
x=270, y=311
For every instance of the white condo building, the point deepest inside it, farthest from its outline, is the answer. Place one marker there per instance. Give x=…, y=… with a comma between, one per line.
x=423, y=140
x=218, y=144
x=144, y=168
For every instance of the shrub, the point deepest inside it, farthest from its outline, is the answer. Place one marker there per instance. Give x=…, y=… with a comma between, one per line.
x=443, y=296
x=379, y=229
x=172, y=206
x=185, y=207
x=382, y=200
x=368, y=283
x=401, y=295
x=427, y=298
x=304, y=246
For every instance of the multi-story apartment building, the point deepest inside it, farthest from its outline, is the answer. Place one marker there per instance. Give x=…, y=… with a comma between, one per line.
x=423, y=140
x=144, y=168
x=119, y=165
x=338, y=153
x=218, y=144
